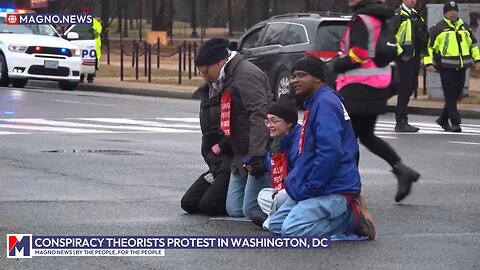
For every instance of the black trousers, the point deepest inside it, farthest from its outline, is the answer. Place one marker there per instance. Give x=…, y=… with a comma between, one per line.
x=205, y=198
x=453, y=81
x=408, y=72
x=364, y=127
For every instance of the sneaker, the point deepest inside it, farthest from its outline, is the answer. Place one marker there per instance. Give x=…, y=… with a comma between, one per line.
x=258, y=218
x=445, y=125
x=366, y=225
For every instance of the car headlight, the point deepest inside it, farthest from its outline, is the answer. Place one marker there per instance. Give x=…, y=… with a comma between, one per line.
x=76, y=52
x=17, y=48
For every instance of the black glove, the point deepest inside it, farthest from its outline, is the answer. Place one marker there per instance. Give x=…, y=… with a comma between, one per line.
x=257, y=167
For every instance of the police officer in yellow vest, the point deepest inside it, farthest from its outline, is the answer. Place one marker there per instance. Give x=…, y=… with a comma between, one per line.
x=97, y=31
x=412, y=37
x=451, y=50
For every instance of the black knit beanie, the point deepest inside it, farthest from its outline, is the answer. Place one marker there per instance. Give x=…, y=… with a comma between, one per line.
x=212, y=51
x=311, y=65
x=285, y=108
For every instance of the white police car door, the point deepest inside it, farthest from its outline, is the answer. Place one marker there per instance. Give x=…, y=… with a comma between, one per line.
x=86, y=42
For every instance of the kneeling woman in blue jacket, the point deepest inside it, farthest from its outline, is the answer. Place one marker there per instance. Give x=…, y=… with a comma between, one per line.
x=324, y=187
x=282, y=123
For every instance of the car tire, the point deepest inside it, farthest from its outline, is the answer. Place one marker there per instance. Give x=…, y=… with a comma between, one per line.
x=67, y=85
x=4, y=80
x=282, y=84
x=19, y=83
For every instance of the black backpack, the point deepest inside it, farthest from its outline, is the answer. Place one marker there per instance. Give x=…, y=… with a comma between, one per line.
x=386, y=48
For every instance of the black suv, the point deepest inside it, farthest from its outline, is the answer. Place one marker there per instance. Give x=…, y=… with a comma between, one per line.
x=275, y=44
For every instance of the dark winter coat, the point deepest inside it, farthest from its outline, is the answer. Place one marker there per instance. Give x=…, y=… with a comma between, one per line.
x=211, y=134
x=251, y=98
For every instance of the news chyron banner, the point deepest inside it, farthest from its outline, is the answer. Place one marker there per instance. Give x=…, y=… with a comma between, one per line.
x=28, y=246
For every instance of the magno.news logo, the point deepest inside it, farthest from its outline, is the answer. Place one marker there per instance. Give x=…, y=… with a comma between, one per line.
x=19, y=245
x=12, y=18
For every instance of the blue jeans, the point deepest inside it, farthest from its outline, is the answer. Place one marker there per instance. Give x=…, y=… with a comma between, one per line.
x=270, y=205
x=322, y=216
x=242, y=194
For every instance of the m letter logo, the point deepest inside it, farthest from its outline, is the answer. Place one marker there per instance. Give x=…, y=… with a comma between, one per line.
x=12, y=18
x=19, y=245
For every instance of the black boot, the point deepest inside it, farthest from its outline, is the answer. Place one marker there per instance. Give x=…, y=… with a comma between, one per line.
x=258, y=218
x=444, y=124
x=405, y=176
x=404, y=126
x=456, y=128
x=90, y=78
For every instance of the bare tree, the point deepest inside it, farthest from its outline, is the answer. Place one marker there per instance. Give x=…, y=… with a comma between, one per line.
x=160, y=15
x=126, y=14
x=229, y=11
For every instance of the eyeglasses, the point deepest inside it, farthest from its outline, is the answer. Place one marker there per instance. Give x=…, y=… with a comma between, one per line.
x=299, y=75
x=272, y=121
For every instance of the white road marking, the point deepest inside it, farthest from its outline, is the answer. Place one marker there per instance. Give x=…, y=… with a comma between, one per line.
x=181, y=119
x=83, y=125
x=138, y=122
x=384, y=129
x=85, y=103
x=242, y=219
x=54, y=129
x=469, y=143
x=12, y=133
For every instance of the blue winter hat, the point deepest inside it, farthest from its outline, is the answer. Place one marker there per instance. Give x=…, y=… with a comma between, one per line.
x=212, y=51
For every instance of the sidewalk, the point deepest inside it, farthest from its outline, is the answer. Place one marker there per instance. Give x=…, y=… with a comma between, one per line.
x=421, y=106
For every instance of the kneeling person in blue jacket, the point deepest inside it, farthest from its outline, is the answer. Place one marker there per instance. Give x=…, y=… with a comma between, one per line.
x=324, y=187
x=282, y=123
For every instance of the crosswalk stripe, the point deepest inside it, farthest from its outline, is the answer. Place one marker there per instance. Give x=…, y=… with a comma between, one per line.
x=55, y=129
x=12, y=133
x=468, y=143
x=138, y=122
x=182, y=119
x=384, y=129
x=426, y=127
x=83, y=125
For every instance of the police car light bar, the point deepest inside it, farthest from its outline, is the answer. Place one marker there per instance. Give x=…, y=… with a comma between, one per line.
x=13, y=10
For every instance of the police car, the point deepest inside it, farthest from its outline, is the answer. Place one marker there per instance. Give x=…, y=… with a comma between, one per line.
x=86, y=42
x=36, y=52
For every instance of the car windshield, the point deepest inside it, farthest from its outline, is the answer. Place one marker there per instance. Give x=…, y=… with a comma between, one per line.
x=44, y=30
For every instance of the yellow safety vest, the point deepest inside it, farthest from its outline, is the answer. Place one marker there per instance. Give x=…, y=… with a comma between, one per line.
x=404, y=34
x=97, y=31
x=451, y=45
